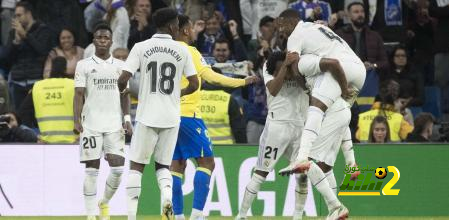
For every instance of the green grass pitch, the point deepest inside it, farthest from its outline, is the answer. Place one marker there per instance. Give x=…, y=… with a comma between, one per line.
x=230, y=218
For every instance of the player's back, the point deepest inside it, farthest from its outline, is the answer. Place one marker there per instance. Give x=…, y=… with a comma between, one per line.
x=162, y=62
x=312, y=38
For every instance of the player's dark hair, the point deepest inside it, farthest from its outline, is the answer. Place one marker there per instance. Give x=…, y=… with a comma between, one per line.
x=355, y=3
x=221, y=41
x=265, y=20
x=58, y=67
x=164, y=16
x=379, y=120
x=421, y=122
x=273, y=59
x=290, y=13
x=183, y=21
x=27, y=6
x=102, y=25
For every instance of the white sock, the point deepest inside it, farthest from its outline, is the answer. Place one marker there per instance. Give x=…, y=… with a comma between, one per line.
x=195, y=214
x=347, y=148
x=310, y=133
x=112, y=183
x=331, y=180
x=300, y=195
x=133, y=190
x=90, y=191
x=251, y=191
x=180, y=217
x=165, y=182
x=320, y=182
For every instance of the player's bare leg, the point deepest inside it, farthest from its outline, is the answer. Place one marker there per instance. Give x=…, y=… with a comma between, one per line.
x=116, y=163
x=165, y=183
x=206, y=166
x=90, y=187
x=133, y=188
x=177, y=169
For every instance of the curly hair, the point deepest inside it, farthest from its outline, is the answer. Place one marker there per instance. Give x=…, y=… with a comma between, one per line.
x=273, y=59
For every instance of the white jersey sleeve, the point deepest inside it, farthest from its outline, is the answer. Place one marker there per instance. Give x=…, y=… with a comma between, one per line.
x=295, y=44
x=266, y=77
x=80, y=75
x=189, y=67
x=309, y=65
x=132, y=63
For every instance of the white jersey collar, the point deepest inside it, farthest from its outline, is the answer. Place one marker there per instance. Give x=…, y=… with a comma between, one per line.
x=98, y=60
x=163, y=36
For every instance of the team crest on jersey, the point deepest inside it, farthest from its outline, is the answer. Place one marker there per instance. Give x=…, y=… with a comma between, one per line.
x=198, y=130
x=267, y=163
x=93, y=71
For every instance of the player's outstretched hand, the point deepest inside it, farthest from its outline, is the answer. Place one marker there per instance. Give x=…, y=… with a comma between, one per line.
x=251, y=80
x=128, y=128
x=78, y=128
x=292, y=57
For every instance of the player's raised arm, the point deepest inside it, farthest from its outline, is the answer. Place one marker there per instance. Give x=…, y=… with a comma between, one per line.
x=274, y=85
x=333, y=66
x=215, y=78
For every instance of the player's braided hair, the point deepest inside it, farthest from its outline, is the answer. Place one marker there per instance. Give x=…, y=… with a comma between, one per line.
x=273, y=59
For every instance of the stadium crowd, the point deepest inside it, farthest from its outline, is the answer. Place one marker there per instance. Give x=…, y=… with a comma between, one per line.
x=403, y=44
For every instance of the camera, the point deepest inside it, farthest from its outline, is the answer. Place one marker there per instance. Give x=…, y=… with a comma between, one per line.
x=444, y=131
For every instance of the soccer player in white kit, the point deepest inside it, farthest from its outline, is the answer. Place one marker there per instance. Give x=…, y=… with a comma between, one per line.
x=162, y=61
x=335, y=69
x=98, y=117
x=287, y=103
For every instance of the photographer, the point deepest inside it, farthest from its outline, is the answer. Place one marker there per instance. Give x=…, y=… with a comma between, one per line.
x=11, y=129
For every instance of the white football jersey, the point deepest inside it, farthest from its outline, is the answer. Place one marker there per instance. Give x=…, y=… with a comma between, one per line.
x=102, y=111
x=161, y=61
x=291, y=102
x=311, y=38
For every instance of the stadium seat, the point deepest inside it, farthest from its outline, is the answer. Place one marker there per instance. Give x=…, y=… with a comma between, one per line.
x=433, y=101
x=369, y=91
x=416, y=111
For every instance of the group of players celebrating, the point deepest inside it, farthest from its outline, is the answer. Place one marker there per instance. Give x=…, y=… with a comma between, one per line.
x=309, y=92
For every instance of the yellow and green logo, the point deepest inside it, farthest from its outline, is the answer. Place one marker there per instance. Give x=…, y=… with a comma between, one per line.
x=367, y=185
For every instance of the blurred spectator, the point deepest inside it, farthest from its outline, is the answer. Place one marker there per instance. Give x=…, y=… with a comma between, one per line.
x=312, y=10
x=120, y=53
x=390, y=19
x=420, y=31
x=4, y=95
x=259, y=48
x=68, y=49
x=401, y=103
x=12, y=130
x=367, y=44
x=60, y=14
x=50, y=103
x=115, y=15
x=28, y=47
x=399, y=128
x=223, y=54
x=408, y=77
x=256, y=111
x=440, y=10
x=423, y=128
x=222, y=115
x=195, y=8
x=207, y=37
x=254, y=10
x=379, y=131
x=142, y=28
x=7, y=14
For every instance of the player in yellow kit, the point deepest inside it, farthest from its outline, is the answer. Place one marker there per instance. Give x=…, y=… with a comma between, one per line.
x=193, y=141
